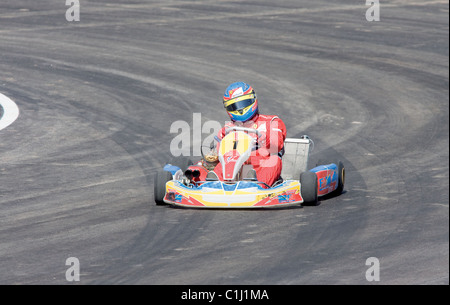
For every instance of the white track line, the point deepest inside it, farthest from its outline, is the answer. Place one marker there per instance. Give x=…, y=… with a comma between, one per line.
x=10, y=111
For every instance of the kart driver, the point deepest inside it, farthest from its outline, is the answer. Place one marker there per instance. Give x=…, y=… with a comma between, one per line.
x=241, y=104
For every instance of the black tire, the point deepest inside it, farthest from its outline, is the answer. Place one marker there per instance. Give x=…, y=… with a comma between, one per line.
x=308, y=181
x=341, y=178
x=181, y=162
x=159, y=186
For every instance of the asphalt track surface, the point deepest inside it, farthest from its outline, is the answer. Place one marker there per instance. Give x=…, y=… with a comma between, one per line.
x=97, y=98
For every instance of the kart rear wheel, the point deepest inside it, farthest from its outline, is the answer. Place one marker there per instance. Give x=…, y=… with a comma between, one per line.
x=341, y=177
x=308, y=181
x=159, y=185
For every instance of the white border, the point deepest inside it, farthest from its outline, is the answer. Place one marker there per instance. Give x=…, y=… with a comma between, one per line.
x=10, y=111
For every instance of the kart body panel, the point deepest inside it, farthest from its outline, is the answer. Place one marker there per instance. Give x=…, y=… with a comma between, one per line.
x=243, y=194
x=327, y=176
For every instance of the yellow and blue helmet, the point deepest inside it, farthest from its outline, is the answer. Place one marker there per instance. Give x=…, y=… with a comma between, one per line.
x=240, y=102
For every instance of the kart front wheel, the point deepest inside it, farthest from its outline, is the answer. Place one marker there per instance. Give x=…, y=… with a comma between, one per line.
x=159, y=186
x=308, y=181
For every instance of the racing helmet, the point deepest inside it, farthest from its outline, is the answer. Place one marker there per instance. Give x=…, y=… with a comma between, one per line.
x=240, y=102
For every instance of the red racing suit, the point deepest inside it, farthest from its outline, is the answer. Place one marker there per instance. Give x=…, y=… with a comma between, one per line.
x=266, y=160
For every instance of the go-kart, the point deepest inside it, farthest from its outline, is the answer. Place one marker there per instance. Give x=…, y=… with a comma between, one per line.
x=297, y=186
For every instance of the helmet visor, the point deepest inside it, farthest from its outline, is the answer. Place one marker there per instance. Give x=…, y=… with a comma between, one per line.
x=240, y=105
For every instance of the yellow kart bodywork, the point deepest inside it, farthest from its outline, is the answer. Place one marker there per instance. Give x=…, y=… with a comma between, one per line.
x=242, y=194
